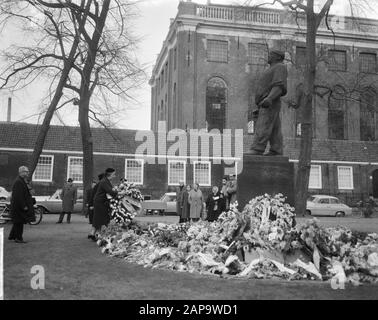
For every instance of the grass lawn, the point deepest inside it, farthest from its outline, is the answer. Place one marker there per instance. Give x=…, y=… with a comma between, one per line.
x=76, y=269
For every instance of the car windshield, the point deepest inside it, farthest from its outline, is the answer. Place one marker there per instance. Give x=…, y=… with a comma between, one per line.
x=312, y=198
x=167, y=198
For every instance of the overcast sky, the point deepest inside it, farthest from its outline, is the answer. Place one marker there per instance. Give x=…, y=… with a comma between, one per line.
x=152, y=26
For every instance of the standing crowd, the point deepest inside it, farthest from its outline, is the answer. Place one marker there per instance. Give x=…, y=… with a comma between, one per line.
x=191, y=205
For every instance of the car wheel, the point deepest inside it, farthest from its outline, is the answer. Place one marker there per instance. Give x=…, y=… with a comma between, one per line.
x=308, y=213
x=161, y=213
x=340, y=214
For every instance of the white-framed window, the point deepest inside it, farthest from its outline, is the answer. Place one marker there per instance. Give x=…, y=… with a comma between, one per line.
x=44, y=170
x=251, y=127
x=345, y=178
x=134, y=169
x=202, y=173
x=315, y=177
x=75, y=169
x=176, y=172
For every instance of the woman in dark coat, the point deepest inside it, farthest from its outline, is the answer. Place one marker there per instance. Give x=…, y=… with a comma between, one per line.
x=21, y=206
x=185, y=211
x=214, y=205
x=101, y=202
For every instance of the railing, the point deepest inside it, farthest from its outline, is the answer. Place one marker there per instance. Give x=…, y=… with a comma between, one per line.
x=240, y=14
x=214, y=12
x=267, y=17
x=262, y=17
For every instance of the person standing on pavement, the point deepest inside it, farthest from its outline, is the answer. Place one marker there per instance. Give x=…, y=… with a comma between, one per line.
x=179, y=194
x=69, y=198
x=213, y=205
x=101, y=201
x=185, y=205
x=232, y=189
x=90, y=208
x=196, y=203
x=224, y=194
x=21, y=206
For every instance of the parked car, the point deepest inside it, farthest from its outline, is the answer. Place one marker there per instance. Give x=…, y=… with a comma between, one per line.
x=323, y=205
x=4, y=194
x=165, y=205
x=53, y=204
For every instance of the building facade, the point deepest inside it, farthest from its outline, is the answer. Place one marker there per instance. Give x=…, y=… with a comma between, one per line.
x=144, y=158
x=206, y=73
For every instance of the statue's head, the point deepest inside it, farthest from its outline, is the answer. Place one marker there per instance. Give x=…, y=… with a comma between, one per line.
x=276, y=56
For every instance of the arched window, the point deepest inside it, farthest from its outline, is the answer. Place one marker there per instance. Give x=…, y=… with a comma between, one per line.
x=216, y=104
x=336, y=114
x=368, y=115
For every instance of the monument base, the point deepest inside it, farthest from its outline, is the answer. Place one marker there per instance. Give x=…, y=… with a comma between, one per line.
x=264, y=174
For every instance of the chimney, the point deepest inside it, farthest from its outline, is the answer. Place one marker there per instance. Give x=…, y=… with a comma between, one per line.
x=9, y=114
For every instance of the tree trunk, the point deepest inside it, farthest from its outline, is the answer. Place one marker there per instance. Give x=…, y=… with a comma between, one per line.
x=38, y=147
x=85, y=96
x=304, y=165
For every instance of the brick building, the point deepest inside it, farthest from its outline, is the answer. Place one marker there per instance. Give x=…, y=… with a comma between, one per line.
x=207, y=70
x=142, y=157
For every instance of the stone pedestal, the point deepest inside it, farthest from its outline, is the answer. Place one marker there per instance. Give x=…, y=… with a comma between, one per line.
x=262, y=174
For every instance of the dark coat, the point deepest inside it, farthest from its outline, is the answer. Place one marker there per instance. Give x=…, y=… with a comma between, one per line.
x=214, y=206
x=179, y=195
x=69, y=197
x=101, y=203
x=185, y=212
x=22, y=209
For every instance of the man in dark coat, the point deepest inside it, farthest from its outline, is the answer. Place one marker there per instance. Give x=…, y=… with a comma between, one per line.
x=179, y=194
x=214, y=205
x=101, y=201
x=90, y=204
x=272, y=86
x=22, y=209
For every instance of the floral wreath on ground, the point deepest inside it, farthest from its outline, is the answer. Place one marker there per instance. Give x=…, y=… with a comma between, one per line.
x=262, y=241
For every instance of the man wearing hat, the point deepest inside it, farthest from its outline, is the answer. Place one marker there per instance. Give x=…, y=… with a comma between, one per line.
x=179, y=197
x=21, y=206
x=69, y=198
x=271, y=87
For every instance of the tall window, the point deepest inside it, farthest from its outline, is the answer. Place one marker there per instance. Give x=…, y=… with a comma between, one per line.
x=368, y=115
x=166, y=72
x=345, y=178
x=175, y=58
x=75, y=169
x=216, y=104
x=257, y=53
x=337, y=60
x=336, y=116
x=44, y=170
x=368, y=62
x=315, y=177
x=174, y=124
x=134, y=171
x=217, y=51
x=298, y=129
x=176, y=172
x=162, y=79
x=301, y=56
x=202, y=173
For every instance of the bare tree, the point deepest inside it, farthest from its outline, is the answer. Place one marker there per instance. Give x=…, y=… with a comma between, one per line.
x=86, y=48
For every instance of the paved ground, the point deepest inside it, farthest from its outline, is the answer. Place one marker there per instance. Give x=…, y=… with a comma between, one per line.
x=76, y=269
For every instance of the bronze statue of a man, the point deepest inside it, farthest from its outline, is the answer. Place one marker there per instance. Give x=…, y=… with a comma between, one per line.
x=271, y=87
